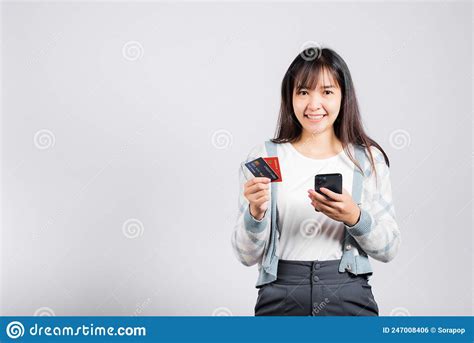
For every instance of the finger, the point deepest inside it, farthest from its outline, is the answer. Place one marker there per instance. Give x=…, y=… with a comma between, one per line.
x=259, y=194
x=321, y=198
x=333, y=195
x=262, y=199
x=253, y=194
x=315, y=205
x=260, y=179
x=258, y=187
x=257, y=180
x=323, y=208
x=324, y=205
x=312, y=195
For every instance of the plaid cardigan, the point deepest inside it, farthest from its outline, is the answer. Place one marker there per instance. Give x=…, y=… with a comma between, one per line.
x=376, y=234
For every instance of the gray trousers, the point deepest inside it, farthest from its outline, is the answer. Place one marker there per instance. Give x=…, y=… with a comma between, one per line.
x=315, y=288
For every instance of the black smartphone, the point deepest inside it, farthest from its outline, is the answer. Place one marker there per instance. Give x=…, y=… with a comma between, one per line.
x=332, y=182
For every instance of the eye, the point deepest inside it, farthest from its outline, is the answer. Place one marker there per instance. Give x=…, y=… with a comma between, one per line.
x=326, y=92
x=302, y=91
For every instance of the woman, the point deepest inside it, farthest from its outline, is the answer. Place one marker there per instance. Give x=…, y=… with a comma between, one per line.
x=313, y=250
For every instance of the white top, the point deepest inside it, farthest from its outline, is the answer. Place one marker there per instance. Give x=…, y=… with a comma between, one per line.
x=308, y=235
x=377, y=233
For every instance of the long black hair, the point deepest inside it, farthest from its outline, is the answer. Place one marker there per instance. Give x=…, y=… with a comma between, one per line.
x=304, y=73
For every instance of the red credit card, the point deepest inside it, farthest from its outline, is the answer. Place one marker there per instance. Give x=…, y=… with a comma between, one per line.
x=275, y=165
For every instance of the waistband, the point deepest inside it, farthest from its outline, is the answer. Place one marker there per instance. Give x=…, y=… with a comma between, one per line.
x=306, y=272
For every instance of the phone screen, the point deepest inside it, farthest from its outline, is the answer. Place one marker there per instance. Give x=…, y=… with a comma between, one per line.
x=332, y=182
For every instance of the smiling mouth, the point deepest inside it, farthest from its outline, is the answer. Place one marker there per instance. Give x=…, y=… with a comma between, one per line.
x=315, y=118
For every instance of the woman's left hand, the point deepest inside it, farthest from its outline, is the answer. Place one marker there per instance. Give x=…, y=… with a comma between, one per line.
x=339, y=207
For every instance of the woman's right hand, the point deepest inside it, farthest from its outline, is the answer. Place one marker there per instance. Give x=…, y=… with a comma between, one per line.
x=256, y=191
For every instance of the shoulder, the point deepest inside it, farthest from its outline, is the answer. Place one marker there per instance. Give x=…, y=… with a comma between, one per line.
x=379, y=169
x=377, y=154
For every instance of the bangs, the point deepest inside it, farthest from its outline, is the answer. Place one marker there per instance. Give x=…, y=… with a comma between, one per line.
x=312, y=74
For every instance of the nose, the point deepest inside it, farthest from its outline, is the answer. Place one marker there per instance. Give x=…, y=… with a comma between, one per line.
x=315, y=103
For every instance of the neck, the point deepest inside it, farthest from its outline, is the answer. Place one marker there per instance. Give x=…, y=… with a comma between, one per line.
x=320, y=142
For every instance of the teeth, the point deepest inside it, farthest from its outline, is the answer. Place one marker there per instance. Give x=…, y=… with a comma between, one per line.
x=314, y=117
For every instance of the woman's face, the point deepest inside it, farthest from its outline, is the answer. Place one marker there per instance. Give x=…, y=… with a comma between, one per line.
x=324, y=99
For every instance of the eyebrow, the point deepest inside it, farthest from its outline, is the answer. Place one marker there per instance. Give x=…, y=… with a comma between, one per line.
x=323, y=87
